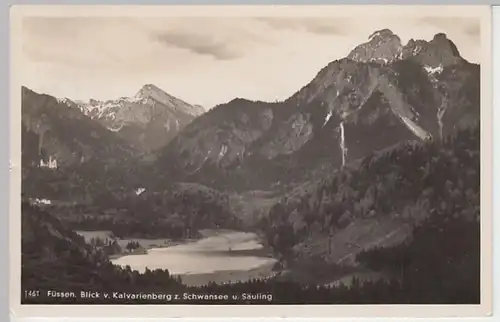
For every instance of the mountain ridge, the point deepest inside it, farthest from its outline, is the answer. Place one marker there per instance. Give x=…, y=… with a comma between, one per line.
x=409, y=98
x=148, y=120
x=386, y=47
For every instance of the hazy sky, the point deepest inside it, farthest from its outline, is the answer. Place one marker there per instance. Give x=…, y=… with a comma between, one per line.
x=206, y=60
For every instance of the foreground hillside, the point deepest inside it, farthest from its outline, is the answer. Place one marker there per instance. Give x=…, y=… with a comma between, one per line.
x=56, y=258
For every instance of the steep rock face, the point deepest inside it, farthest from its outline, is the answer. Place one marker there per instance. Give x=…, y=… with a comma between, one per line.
x=382, y=94
x=383, y=47
x=148, y=120
x=440, y=51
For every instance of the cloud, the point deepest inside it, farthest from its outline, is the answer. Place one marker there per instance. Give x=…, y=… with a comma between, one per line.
x=469, y=26
x=219, y=38
x=473, y=30
x=331, y=26
x=199, y=44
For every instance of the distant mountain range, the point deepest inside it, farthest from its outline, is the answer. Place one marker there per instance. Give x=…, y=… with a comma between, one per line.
x=381, y=94
x=148, y=120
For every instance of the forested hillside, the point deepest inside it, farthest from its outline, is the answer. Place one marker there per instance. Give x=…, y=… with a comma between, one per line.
x=177, y=212
x=403, y=184
x=437, y=190
x=55, y=257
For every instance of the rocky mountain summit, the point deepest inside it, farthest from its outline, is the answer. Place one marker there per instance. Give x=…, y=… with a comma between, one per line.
x=381, y=94
x=148, y=120
x=385, y=47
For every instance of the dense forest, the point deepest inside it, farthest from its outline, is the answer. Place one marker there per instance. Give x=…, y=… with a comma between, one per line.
x=406, y=184
x=434, y=185
x=87, y=183
x=177, y=212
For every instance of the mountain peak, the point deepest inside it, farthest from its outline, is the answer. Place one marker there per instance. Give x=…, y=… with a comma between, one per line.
x=440, y=37
x=148, y=90
x=439, y=51
x=150, y=87
x=385, y=47
x=382, y=47
x=153, y=92
x=383, y=33
x=445, y=43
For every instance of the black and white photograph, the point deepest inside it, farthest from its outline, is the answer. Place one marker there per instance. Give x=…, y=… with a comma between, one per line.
x=271, y=157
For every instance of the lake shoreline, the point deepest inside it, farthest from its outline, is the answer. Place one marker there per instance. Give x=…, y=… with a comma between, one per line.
x=145, y=250
x=257, y=259
x=220, y=256
x=228, y=276
x=145, y=243
x=267, y=270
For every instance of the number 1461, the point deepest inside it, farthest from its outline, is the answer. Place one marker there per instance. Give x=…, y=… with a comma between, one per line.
x=31, y=293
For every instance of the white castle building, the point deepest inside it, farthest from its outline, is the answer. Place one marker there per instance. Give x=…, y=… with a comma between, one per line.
x=51, y=164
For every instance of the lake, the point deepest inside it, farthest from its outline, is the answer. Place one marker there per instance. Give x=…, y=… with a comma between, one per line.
x=221, y=257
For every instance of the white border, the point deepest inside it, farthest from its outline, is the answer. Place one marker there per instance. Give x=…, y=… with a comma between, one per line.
x=23, y=311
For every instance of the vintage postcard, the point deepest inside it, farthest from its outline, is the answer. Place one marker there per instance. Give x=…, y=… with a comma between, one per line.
x=251, y=161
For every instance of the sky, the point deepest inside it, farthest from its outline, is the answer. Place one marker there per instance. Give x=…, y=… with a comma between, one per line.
x=206, y=60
